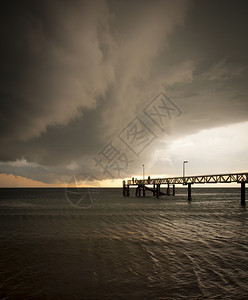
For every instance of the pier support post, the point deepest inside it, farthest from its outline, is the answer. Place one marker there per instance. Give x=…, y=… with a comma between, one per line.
x=243, y=193
x=154, y=187
x=168, y=189
x=144, y=191
x=189, y=192
x=128, y=190
x=139, y=190
x=124, y=188
x=174, y=190
x=158, y=190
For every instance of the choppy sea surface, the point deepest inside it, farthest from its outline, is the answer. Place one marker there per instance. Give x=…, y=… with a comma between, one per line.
x=123, y=248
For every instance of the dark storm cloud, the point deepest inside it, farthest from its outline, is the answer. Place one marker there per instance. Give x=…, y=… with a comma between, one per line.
x=51, y=63
x=74, y=72
x=211, y=51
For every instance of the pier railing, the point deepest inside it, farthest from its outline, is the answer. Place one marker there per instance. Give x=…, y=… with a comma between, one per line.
x=221, y=178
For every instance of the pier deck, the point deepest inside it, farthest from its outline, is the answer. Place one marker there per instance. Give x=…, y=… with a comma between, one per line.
x=141, y=184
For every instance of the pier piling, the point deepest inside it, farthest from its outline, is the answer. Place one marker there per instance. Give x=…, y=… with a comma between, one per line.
x=158, y=190
x=189, y=192
x=243, y=193
x=124, y=188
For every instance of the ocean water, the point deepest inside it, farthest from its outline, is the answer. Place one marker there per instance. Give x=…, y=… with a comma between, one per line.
x=123, y=248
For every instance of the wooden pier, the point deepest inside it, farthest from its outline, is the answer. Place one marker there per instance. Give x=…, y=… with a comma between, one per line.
x=154, y=185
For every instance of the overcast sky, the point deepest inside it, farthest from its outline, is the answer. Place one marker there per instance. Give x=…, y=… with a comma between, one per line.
x=78, y=78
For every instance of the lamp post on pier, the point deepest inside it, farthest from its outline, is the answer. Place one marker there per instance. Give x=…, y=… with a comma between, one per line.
x=185, y=162
x=143, y=171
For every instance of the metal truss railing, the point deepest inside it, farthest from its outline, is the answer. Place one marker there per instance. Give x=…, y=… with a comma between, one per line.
x=221, y=178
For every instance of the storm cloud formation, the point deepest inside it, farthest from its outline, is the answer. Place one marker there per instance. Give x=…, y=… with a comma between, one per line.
x=73, y=73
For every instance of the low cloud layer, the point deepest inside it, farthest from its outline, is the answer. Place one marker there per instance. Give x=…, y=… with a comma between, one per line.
x=75, y=72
